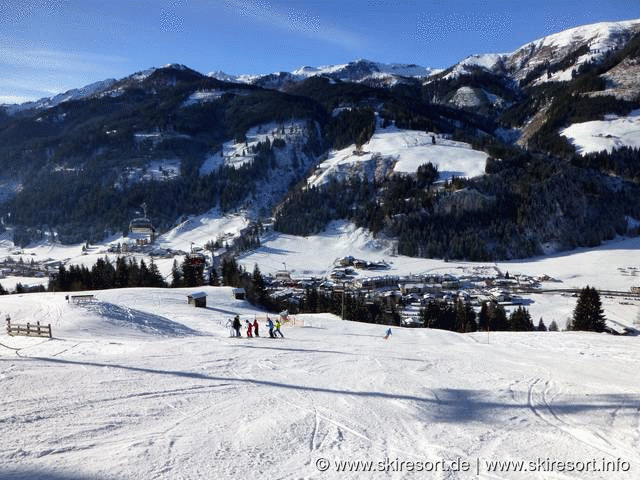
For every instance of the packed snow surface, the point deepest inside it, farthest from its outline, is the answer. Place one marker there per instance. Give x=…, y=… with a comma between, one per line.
x=612, y=133
x=141, y=385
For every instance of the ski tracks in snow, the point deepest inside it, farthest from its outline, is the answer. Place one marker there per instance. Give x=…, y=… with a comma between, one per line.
x=540, y=398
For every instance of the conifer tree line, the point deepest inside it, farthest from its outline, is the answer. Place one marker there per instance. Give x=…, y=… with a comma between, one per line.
x=461, y=317
x=105, y=275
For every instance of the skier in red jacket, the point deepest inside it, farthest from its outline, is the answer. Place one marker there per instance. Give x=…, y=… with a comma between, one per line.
x=249, y=328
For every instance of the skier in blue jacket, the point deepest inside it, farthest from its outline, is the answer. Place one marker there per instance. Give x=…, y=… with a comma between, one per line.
x=270, y=327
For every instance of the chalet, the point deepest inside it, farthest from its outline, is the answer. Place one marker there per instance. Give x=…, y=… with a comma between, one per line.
x=239, y=293
x=197, y=299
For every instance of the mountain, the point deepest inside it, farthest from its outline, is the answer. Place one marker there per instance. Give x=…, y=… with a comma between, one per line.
x=553, y=58
x=183, y=142
x=359, y=71
x=74, y=94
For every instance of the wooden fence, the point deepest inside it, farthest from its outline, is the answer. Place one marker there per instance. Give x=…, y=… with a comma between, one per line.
x=29, y=329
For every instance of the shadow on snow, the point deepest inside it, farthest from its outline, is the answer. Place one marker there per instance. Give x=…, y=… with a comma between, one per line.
x=445, y=405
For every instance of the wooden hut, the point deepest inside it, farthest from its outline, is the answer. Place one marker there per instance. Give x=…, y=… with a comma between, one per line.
x=197, y=299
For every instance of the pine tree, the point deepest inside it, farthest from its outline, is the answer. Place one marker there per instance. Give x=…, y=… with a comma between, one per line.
x=258, y=286
x=553, y=326
x=155, y=277
x=213, y=277
x=122, y=273
x=483, y=317
x=541, y=326
x=520, y=320
x=176, y=275
x=588, y=314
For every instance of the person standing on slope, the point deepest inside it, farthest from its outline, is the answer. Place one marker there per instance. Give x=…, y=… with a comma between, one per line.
x=277, y=330
x=388, y=334
x=255, y=328
x=270, y=327
x=237, y=325
x=249, y=329
x=229, y=325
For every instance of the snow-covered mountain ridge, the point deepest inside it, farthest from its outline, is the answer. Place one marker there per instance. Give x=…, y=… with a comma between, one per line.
x=592, y=42
x=587, y=43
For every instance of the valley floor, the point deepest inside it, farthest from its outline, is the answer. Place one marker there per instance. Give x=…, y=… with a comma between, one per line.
x=140, y=385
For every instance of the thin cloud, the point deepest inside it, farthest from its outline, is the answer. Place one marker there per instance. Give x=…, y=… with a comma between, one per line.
x=29, y=72
x=295, y=22
x=57, y=61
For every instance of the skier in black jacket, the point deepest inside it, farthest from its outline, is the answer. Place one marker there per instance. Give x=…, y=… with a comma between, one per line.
x=237, y=325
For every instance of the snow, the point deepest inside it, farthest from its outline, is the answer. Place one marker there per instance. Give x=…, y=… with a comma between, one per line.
x=76, y=94
x=612, y=133
x=488, y=61
x=344, y=71
x=200, y=229
x=236, y=155
x=141, y=385
x=600, y=37
x=408, y=150
x=612, y=266
x=157, y=170
x=203, y=96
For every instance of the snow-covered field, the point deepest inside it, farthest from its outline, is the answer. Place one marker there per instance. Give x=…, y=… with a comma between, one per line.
x=609, y=134
x=407, y=149
x=140, y=385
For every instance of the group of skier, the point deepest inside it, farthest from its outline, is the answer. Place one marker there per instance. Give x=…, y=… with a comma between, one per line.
x=253, y=328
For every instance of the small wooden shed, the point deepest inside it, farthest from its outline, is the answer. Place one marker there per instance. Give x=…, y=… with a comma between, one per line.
x=239, y=293
x=197, y=299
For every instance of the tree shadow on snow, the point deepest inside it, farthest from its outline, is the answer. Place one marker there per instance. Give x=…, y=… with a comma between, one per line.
x=42, y=474
x=443, y=405
x=304, y=350
x=221, y=310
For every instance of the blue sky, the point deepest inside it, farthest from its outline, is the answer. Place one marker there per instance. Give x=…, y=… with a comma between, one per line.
x=50, y=46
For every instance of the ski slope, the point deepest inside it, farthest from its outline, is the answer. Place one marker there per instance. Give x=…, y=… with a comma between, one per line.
x=141, y=385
